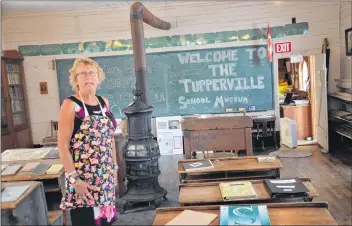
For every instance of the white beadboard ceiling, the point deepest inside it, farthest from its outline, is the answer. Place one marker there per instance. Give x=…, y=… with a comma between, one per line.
x=30, y=6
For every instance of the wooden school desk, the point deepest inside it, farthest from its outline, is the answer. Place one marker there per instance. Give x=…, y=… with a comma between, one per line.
x=280, y=213
x=234, y=168
x=209, y=194
x=217, y=134
x=54, y=184
x=29, y=209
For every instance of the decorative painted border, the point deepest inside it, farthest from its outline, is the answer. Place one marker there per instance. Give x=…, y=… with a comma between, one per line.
x=165, y=41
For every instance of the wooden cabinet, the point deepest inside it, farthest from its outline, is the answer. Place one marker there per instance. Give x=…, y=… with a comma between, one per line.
x=302, y=116
x=15, y=124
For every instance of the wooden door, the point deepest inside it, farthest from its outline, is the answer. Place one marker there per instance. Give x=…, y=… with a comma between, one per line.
x=321, y=102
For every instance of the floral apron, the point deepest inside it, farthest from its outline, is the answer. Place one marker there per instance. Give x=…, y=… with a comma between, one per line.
x=91, y=148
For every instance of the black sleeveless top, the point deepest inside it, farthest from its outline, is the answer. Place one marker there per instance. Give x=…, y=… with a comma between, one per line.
x=92, y=110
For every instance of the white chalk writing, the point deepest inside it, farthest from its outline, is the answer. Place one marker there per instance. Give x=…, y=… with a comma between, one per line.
x=229, y=84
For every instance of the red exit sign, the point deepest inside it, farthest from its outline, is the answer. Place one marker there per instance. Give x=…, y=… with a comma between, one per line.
x=283, y=47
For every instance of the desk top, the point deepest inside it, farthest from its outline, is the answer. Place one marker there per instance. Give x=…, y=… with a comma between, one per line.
x=27, y=176
x=220, y=122
x=279, y=213
x=197, y=193
x=13, y=204
x=295, y=106
x=240, y=164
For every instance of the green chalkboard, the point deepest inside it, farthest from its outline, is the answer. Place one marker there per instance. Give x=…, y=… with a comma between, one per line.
x=188, y=82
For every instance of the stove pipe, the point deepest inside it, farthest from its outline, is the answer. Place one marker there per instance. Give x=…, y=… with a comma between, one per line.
x=139, y=14
x=141, y=151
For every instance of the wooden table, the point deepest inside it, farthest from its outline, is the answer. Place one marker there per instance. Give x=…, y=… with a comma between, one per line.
x=217, y=134
x=29, y=209
x=209, y=194
x=54, y=184
x=279, y=213
x=234, y=168
x=51, y=182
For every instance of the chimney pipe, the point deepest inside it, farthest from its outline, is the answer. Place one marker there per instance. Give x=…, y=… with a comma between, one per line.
x=139, y=14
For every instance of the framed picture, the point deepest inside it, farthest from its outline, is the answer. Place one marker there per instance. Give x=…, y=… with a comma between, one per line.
x=43, y=87
x=348, y=40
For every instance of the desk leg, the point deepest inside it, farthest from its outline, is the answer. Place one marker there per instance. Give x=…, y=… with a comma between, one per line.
x=249, y=145
x=277, y=173
x=274, y=134
x=182, y=178
x=308, y=199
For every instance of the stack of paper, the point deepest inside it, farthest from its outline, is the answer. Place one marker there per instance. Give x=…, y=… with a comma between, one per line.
x=40, y=169
x=29, y=166
x=55, y=168
x=199, y=165
x=190, y=217
x=11, y=170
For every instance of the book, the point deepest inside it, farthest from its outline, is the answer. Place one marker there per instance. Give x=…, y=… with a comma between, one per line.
x=266, y=158
x=190, y=217
x=3, y=166
x=55, y=168
x=11, y=170
x=237, y=190
x=13, y=193
x=29, y=166
x=53, y=154
x=244, y=215
x=286, y=188
x=40, y=169
x=199, y=165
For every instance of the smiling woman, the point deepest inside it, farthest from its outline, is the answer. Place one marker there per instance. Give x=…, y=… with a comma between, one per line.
x=87, y=149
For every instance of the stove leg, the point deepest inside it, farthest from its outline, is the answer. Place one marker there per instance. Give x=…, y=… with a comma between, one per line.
x=157, y=203
x=165, y=198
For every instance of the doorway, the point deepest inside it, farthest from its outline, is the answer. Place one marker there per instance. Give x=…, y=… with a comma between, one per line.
x=297, y=87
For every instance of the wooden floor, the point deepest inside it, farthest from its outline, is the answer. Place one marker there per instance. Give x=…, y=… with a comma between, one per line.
x=331, y=177
x=330, y=174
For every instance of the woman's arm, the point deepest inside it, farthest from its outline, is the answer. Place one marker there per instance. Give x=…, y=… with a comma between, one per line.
x=66, y=125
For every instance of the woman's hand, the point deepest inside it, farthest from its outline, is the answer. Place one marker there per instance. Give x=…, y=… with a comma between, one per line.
x=82, y=190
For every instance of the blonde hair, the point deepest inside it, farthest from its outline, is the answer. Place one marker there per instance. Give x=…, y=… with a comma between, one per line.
x=85, y=61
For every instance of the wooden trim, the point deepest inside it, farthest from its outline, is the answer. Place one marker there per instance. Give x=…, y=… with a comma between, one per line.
x=25, y=97
x=12, y=54
x=217, y=123
x=270, y=205
x=307, y=179
x=234, y=178
x=223, y=158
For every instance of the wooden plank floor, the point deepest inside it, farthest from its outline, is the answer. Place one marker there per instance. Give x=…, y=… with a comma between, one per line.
x=331, y=178
x=330, y=174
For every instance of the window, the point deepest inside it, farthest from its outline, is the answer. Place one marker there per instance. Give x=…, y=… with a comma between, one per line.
x=303, y=76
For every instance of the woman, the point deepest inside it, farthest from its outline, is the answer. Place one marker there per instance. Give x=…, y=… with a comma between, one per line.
x=87, y=149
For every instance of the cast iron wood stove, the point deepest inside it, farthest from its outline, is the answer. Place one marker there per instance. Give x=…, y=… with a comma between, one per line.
x=141, y=151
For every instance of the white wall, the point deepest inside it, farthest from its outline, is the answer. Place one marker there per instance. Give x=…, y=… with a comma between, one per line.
x=185, y=17
x=345, y=23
